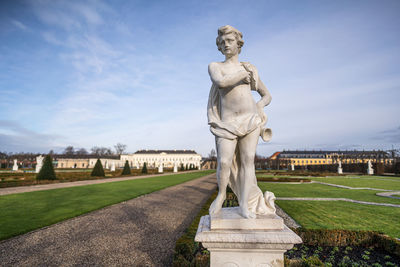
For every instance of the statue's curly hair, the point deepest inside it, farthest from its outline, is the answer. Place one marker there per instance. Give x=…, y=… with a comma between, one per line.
x=226, y=30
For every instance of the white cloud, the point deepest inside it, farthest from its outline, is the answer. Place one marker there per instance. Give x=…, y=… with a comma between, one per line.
x=19, y=24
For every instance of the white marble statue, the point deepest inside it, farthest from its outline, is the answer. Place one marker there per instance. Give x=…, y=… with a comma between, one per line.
x=292, y=166
x=15, y=166
x=39, y=163
x=160, y=168
x=370, y=170
x=112, y=167
x=175, y=166
x=237, y=121
x=340, y=169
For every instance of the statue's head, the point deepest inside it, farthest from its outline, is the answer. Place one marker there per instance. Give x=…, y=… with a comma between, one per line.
x=226, y=34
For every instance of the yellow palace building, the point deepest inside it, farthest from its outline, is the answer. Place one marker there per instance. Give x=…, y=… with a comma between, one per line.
x=303, y=158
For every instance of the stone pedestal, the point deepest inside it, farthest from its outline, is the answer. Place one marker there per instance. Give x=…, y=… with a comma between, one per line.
x=235, y=241
x=340, y=170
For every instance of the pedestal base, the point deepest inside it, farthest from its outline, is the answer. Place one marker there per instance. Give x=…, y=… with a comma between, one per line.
x=246, y=247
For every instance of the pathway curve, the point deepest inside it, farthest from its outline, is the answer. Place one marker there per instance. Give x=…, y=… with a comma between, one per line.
x=389, y=194
x=338, y=199
x=138, y=232
x=349, y=187
x=31, y=188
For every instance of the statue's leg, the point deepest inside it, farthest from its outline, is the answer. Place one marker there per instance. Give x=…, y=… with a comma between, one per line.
x=247, y=149
x=225, y=152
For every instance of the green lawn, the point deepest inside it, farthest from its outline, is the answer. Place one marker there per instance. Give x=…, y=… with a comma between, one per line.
x=337, y=214
x=344, y=215
x=21, y=213
x=326, y=191
x=390, y=183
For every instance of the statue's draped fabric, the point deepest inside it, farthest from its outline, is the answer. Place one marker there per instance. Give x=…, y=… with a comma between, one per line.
x=240, y=126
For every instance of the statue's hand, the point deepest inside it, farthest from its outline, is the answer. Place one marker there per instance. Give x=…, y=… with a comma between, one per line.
x=246, y=76
x=247, y=80
x=260, y=109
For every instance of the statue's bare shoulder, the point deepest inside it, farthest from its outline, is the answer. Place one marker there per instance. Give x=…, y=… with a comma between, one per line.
x=214, y=67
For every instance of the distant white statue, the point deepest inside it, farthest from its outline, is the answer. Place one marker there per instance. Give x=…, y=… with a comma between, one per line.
x=370, y=170
x=107, y=165
x=237, y=121
x=15, y=166
x=292, y=166
x=112, y=167
x=39, y=163
x=175, y=167
x=340, y=169
x=160, y=168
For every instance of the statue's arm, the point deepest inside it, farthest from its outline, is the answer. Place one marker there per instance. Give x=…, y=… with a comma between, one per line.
x=264, y=93
x=224, y=81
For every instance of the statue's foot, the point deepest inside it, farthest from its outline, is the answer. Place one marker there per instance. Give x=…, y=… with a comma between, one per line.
x=246, y=213
x=216, y=206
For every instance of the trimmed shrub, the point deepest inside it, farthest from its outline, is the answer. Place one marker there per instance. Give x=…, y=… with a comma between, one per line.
x=127, y=169
x=98, y=169
x=144, y=169
x=47, y=170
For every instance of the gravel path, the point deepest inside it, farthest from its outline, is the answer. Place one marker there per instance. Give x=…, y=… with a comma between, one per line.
x=31, y=188
x=138, y=232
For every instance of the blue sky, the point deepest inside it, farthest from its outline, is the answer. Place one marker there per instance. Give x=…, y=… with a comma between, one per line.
x=95, y=73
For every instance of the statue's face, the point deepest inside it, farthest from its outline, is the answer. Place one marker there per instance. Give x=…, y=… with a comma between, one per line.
x=229, y=45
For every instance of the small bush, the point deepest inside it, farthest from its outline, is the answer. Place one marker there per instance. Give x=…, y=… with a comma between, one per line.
x=312, y=261
x=144, y=169
x=98, y=169
x=47, y=170
x=127, y=169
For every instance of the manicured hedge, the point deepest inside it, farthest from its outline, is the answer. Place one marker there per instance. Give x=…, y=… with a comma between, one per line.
x=324, y=237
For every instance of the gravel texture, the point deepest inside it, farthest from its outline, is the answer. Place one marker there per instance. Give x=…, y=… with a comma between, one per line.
x=138, y=232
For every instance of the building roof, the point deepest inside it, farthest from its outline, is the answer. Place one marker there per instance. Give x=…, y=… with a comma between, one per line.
x=88, y=156
x=340, y=153
x=146, y=151
x=346, y=152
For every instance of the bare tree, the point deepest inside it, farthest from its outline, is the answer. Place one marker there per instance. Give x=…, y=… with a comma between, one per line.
x=212, y=154
x=101, y=151
x=69, y=150
x=81, y=151
x=120, y=148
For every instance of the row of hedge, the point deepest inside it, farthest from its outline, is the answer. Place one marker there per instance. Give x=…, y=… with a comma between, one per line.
x=379, y=168
x=340, y=238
